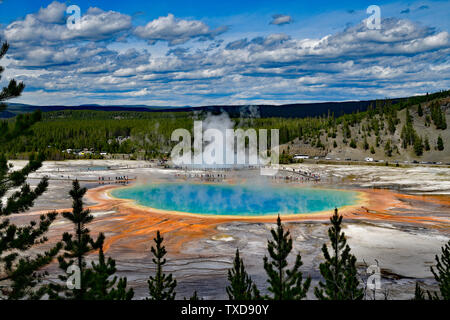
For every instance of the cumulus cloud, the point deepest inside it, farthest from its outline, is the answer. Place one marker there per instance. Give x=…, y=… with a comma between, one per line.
x=48, y=26
x=281, y=19
x=176, y=31
x=53, y=13
x=81, y=67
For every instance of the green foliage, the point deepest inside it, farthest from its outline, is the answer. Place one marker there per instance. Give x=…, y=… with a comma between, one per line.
x=286, y=158
x=440, y=144
x=111, y=132
x=409, y=136
x=241, y=286
x=441, y=275
x=427, y=144
x=419, y=294
x=147, y=134
x=418, y=146
x=194, y=297
x=17, y=264
x=76, y=246
x=285, y=284
x=101, y=285
x=13, y=89
x=372, y=150
x=388, y=148
x=353, y=144
x=339, y=271
x=365, y=144
x=94, y=283
x=438, y=116
x=391, y=125
x=419, y=110
x=161, y=286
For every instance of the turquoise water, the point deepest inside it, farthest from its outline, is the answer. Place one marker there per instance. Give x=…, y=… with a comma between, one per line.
x=247, y=200
x=250, y=200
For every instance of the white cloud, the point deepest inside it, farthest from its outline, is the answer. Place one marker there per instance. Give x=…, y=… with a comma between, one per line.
x=176, y=31
x=91, y=66
x=48, y=26
x=53, y=13
x=281, y=19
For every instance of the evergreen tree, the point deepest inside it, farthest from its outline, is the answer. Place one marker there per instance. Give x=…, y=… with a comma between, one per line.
x=442, y=274
x=372, y=150
x=285, y=284
x=241, y=286
x=419, y=294
x=339, y=271
x=19, y=270
x=419, y=110
x=194, y=297
x=418, y=146
x=438, y=116
x=388, y=148
x=161, y=286
x=440, y=144
x=391, y=125
x=94, y=283
x=427, y=144
x=408, y=135
x=409, y=119
x=365, y=144
x=13, y=89
x=101, y=286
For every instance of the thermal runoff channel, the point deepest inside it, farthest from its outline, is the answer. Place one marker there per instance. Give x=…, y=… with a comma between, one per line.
x=246, y=200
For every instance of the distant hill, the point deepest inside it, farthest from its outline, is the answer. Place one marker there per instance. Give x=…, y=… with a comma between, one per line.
x=298, y=110
x=340, y=147
x=17, y=108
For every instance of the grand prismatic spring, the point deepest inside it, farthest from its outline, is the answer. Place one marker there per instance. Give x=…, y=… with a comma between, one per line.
x=230, y=199
x=386, y=210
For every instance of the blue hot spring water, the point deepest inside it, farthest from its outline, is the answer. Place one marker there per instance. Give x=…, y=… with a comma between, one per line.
x=246, y=200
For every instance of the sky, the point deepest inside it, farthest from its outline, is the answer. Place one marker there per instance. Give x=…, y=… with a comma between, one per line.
x=179, y=53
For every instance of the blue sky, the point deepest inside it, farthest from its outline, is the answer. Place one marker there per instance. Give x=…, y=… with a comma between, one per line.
x=177, y=53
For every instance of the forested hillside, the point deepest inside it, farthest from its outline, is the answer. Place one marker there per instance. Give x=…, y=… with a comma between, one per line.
x=413, y=128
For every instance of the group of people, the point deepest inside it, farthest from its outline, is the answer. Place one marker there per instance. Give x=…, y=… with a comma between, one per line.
x=297, y=178
x=117, y=180
x=299, y=175
x=214, y=177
